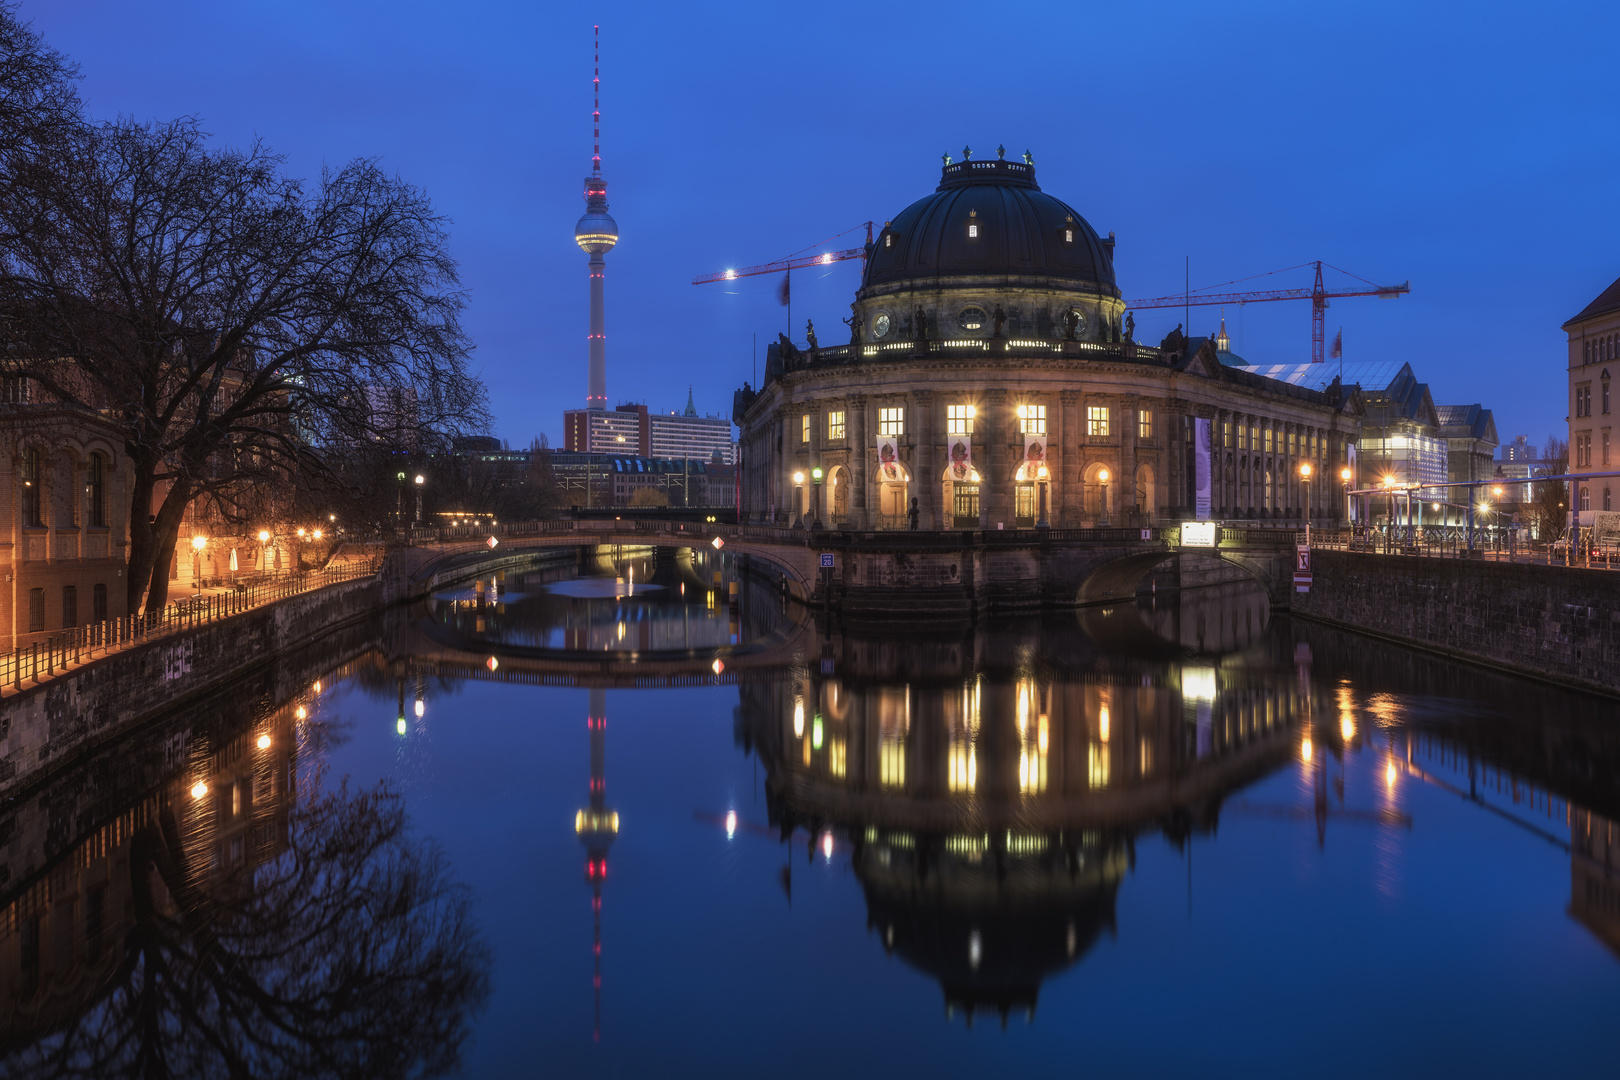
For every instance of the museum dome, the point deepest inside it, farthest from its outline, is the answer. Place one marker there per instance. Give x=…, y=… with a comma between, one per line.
x=989, y=219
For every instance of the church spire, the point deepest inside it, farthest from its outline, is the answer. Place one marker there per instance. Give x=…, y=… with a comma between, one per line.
x=1222, y=342
x=691, y=410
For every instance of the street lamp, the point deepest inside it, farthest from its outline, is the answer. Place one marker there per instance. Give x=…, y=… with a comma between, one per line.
x=419, y=481
x=1305, y=479
x=815, y=478
x=197, y=544
x=1102, y=478
x=399, y=501
x=1344, y=476
x=798, y=492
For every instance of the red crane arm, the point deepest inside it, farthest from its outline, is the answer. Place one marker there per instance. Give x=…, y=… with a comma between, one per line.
x=1208, y=299
x=824, y=259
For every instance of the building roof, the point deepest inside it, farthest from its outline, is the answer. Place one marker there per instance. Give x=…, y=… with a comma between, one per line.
x=1020, y=231
x=1608, y=300
x=1467, y=421
x=1403, y=399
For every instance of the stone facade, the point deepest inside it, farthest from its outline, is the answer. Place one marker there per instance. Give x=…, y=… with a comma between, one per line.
x=1594, y=356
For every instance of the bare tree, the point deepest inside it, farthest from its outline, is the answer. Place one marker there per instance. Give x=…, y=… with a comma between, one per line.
x=245, y=329
x=38, y=101
x=1550, y=502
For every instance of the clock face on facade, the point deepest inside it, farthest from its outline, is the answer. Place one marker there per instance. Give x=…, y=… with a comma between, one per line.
x=880, y=326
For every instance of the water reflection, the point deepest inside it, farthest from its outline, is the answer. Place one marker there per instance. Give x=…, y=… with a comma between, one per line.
x=991, y=787
x=1221, y=617
x=243, y=919
x=617, y=600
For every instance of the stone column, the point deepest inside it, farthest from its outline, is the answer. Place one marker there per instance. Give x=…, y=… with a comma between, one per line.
x=1124, y=494
x=1070, y=435
x=925, y=468
x=812, y=460
x=995, y=479
x=859, y=453
x=1175, y=457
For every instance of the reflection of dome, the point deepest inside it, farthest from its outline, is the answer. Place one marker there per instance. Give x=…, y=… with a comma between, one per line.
x=990, y=219
x=990, y=928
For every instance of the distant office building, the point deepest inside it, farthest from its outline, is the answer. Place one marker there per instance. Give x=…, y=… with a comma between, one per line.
x=632, y=429
x=1520, y=450
x=1400, y=435
x=595, y=480
x=1469, y=432
x=1594, y=355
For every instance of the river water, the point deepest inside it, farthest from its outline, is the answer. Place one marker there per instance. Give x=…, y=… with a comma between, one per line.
x=605, y=817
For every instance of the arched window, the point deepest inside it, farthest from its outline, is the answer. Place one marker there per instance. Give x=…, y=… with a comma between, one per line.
x=29, y=496
x=1586, y=498
x=95, y=491
x=1267, y=504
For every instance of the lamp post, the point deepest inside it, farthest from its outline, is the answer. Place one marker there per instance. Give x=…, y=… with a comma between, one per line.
x=420, y=479
x=197, y=545
x=1305, y=479
x=264, y=553
x=1102, y=478
x=399, y=502
x=1344, y=476
x=815, y=477
x=798, y=493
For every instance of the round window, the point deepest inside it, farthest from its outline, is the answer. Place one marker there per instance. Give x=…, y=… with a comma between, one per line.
x=1077, y=318
x=880, y=326
x=972, y=318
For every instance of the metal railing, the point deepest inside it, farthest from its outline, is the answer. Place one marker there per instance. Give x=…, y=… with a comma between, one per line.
x=43, y=659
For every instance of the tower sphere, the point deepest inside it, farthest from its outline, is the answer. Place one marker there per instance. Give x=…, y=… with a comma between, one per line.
x=596, y=232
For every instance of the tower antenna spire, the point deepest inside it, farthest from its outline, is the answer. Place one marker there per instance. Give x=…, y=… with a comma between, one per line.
x=596, y=102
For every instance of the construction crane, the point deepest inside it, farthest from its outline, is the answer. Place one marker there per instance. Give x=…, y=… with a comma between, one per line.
x=794, y=262
x=1317, y=295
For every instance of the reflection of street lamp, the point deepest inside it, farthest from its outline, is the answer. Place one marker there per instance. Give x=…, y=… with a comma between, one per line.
x=419, y=482
x=1102, y=478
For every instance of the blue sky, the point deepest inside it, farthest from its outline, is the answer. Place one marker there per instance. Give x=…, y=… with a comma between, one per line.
x=1467, y=148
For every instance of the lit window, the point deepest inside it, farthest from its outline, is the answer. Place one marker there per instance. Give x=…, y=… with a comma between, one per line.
x=1226, y=434
x=1097, y=771
x=1032, y=419
x=1097, y=420
x=835, y=424
x=1268, y=440
x=1144, y=424
x=972, y=318
x=804, y=428
x=892, y=421
x=973, y=232
x=888, y=240
x=959, y=419
x=1068, y=236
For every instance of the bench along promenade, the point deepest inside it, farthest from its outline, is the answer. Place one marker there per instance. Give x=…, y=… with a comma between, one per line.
x=76, y=691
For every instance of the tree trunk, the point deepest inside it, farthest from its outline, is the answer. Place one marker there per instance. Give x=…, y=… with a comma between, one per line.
x=142, y=538
x=165, y=534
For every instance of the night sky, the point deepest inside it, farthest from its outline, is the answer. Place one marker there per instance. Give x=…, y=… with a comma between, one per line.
x=1468, y=148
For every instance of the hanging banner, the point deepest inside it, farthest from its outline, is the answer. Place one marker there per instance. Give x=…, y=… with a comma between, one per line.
x=1201, y=469
x=889, y=468
x=961, y=457
x=1034, y=454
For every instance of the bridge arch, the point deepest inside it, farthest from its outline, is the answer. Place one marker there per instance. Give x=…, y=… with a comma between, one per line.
x=1116, y=581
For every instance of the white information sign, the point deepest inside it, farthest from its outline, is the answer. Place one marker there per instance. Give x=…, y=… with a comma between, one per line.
x=1197, y=534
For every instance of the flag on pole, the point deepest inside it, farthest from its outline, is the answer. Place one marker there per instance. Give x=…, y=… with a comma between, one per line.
x=785, y=293
x=1338, y=344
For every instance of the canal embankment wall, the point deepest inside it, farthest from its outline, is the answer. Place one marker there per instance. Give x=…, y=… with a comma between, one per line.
x=46, y=727
x=1548, y=622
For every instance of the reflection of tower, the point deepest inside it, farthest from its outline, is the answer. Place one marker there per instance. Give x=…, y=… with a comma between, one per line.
x=597, y=826
x=596, y=233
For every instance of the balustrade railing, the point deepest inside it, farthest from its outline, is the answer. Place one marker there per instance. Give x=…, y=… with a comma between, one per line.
x=42, y=659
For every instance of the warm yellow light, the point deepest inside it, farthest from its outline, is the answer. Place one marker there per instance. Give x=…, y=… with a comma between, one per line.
x=264, y=535
x=421, y=707
x=717, y=667
x=317, y=686
x=300, y=712
x=1102, y=476
x=1389, y=774
x=731, y=824
x=1497, y=491
x=1102, y=723
x=317, y=534
x=798, y=478
x=199, y=542
x=1305, y=749
x=419, y=478
x=1389, y=481
x=1347, y=727
x=199, y=789
x=827, y=844
x=1344, y=474
x=798, y=719
x=264, y=742
x=1305, y=470
x=300, y=532
x=492, y=663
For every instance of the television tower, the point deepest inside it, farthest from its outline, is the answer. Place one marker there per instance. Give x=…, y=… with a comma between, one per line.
x=597, y=827
x=596, y=233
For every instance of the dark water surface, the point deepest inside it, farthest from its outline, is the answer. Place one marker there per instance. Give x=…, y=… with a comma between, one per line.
x=585, y=829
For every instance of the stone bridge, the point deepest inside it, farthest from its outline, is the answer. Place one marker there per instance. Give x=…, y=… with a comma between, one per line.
x=880, y=574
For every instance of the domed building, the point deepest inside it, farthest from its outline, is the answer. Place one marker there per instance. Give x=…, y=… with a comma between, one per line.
x=991, y=375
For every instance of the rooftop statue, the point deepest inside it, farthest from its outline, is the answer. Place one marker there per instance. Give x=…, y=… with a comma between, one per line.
x=999, y=320
x=919, y=325
x=854, y=323
x=810, y=333
x=1029, y=158
x=1071, y=325
x=1175, y=342
x=1130, y=328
